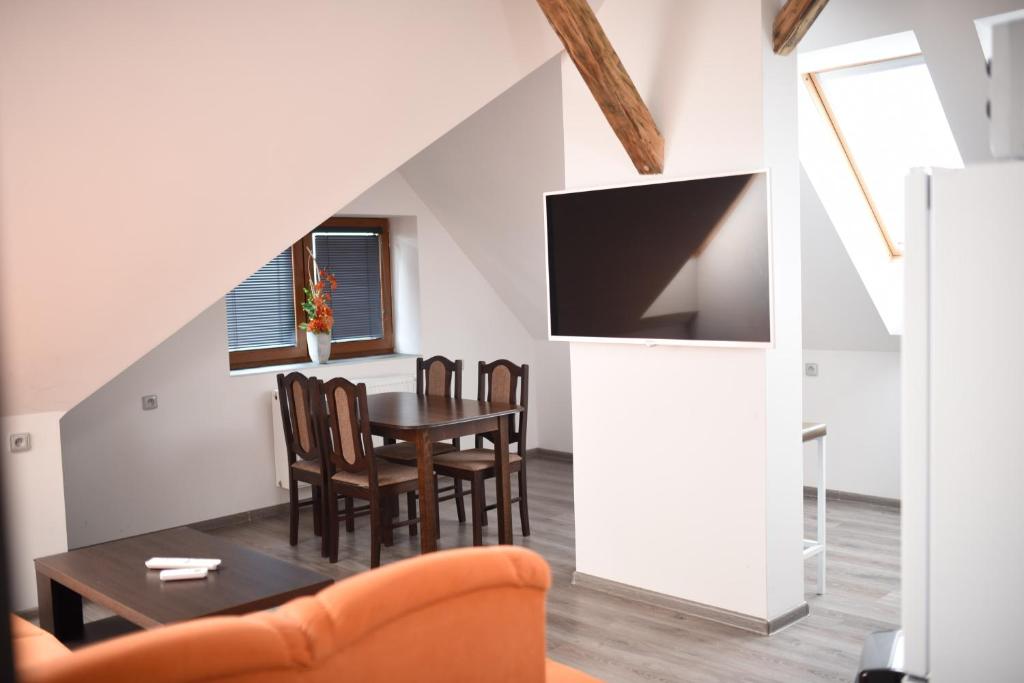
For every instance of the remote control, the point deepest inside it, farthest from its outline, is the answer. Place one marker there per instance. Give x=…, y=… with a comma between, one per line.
x=182, y=563
x=182, y=574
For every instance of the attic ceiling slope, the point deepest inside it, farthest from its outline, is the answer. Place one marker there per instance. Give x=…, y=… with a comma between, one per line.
x=949, y=42
x=152, y=155
x=485, y=181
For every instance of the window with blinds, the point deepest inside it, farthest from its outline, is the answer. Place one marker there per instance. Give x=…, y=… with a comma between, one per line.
x=261, y=310
x=353, y=258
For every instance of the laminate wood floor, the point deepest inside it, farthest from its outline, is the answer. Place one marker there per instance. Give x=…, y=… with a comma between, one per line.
x=620, y=640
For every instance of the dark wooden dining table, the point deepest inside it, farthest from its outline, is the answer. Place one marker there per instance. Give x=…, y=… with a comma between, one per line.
x=424, y=420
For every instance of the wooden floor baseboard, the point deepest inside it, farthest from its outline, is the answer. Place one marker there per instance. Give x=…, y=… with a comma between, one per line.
x=745, y=622
x=551, y=454
x=241, y=517
x=833, y=494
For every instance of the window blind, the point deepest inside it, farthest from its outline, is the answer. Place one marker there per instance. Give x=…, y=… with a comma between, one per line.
x=261, y=310
x=353, y=258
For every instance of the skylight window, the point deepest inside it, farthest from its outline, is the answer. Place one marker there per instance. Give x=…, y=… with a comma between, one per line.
x=887, y=118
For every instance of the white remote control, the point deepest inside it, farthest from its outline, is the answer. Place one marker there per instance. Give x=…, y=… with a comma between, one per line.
x=182, y=574
x=182, y=563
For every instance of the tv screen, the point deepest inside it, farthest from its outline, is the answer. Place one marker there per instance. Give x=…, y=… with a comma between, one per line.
x=677, y=262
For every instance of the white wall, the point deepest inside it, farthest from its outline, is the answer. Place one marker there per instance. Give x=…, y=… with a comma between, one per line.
x=34, y=501
x=207, y=450
x=484, y=180
x=857, y=389
x=707, y=440
x=858, y=395
x=155, y=154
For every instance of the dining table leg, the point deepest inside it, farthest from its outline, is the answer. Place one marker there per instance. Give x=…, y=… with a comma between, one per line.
x=427, y=490
x=502, y=483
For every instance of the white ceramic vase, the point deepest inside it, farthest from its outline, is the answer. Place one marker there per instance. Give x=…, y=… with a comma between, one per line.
x=319, y=344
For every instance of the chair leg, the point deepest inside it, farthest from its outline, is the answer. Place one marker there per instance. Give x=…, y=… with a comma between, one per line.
x=477, y=500
x=437, y=509
x=293, y=512
x=524, y=510
x=333, y=528
x=483, y=503
x=375, y=523
x=410, y=502
x=325, y=523
x=350, y=520
x=317, y=510
x=387, y=530
x=460, y=505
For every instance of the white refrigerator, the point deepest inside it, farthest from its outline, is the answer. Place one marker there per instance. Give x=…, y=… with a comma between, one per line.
x=963, y=425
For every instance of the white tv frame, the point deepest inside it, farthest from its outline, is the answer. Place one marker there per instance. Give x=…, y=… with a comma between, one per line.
x=669, y=342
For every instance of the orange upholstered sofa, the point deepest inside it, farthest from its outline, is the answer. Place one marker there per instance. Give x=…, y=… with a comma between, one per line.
x=461, y=615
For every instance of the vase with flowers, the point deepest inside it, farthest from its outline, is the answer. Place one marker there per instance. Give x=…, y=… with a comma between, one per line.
x=317, y=307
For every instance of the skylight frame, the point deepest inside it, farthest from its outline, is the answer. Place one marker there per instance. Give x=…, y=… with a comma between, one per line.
x=814, y=87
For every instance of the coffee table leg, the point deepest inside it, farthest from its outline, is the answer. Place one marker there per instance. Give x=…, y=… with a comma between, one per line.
x=502, y=483
x=428, y=506
x=60, y=609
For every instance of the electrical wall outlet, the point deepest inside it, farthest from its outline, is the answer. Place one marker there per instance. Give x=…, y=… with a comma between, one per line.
x=21, y=442
x=811, y=369
x=149, y=402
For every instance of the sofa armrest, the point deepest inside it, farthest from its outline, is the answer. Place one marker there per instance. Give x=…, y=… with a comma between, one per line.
x=32, y=645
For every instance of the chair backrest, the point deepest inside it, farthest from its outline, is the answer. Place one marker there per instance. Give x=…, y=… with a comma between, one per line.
x=435, y=375
x=343, y=418
x=294, y=392
x=502, y=381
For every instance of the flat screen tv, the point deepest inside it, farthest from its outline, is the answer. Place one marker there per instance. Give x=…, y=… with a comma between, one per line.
x=674, y=262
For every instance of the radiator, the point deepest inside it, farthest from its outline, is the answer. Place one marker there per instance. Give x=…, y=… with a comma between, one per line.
x=374, y=385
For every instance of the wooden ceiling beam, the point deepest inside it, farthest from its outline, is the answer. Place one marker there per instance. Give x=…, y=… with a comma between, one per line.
x=792, y=22
x=595, y=58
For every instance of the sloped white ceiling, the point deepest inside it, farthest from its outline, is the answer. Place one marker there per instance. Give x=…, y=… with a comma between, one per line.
x=485, y=180
x=154, y=154
x=949, y=41
x=838, y=313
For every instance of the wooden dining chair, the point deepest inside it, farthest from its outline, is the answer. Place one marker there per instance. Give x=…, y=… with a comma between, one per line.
x=499, y=382
x=435, y=376
x=303, y=451
x=353, y=470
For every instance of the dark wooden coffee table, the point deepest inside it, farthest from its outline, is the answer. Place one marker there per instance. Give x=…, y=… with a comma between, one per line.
x=114, y=575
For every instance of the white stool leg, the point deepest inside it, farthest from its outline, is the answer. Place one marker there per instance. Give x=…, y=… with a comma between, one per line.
x=822, y=495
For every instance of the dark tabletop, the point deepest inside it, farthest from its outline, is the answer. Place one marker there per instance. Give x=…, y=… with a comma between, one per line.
x=114, y=575
x=406, y=410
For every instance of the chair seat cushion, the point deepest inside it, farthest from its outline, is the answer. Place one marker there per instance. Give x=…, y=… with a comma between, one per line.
x=388, y=474
x=311, y=466
x=472, y=460
x=405, y=451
